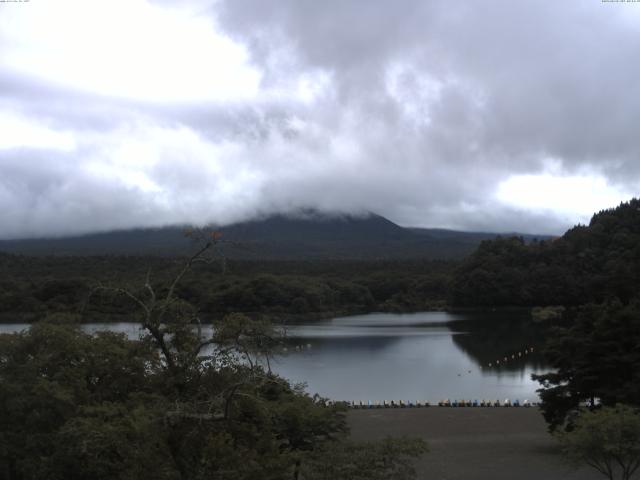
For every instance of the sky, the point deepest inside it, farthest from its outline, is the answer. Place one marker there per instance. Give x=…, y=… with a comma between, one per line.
x=493, y=116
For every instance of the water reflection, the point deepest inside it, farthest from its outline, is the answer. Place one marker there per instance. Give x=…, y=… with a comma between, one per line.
x=423, y=356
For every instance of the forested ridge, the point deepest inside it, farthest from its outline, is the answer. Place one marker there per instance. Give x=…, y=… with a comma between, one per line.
x=589, y=263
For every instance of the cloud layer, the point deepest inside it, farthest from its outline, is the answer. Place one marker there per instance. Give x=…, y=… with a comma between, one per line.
x=496, y=116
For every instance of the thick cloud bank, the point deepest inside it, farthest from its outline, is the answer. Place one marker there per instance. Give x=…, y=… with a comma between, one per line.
x=493, y=115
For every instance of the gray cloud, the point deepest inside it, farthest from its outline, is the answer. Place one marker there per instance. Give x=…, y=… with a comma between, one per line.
x=415, y=110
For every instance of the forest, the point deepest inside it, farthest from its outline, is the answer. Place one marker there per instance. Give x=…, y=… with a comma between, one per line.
x=589, y=263
x=33, y=287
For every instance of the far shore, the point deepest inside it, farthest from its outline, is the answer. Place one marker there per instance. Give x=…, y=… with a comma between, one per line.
x=473, y=443
x=287, y=317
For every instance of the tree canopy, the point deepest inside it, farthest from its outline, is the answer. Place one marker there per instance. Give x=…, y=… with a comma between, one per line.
x=595, y=357
x=607, y=439
x=587, y=264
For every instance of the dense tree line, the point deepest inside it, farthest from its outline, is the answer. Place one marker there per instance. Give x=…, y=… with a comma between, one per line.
x=34, y=287
x=587, y=264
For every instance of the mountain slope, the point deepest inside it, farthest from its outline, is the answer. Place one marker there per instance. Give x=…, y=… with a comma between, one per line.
x=309, y=236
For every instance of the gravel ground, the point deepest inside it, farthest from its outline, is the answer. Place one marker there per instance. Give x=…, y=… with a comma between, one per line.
x=473, y=443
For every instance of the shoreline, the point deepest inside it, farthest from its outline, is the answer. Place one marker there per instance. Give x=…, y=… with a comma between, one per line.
x=208, y=318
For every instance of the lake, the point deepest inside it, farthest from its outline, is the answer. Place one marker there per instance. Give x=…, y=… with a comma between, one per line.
x=421, y=356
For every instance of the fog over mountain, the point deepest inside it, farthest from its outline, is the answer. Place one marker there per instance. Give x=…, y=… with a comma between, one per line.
x=306, y=235
x=482, y=116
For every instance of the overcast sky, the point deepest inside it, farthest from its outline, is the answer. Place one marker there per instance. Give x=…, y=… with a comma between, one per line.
x=492, y=115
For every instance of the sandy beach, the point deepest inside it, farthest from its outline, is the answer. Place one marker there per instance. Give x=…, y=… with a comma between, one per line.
x=473, y=443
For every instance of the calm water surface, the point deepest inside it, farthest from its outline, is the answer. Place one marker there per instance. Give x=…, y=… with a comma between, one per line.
x=422, y=356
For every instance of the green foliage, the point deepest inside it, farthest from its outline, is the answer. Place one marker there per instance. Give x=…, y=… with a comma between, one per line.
x=547, y=314
x=607, y=439
x=36, y=286
x=588, y=263
x=47, y=377
x=597, y=357
x=78, y=406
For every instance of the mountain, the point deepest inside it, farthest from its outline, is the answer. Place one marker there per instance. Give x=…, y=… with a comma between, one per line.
x=307, y=236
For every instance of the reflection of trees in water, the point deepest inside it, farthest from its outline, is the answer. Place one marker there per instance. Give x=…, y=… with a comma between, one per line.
x=489, y=339
x=484, y=337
